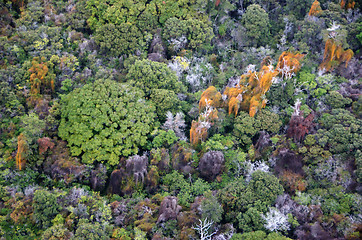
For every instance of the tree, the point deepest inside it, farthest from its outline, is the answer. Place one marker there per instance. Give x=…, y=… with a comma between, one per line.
x=41, y=80
x=260, y=193
x=105, y=120
x=298, y=8
x=256, y=22
x=91, y=231
x=45, y=207
x=315, y=9
x=116, y=40
x=276, y=221
x=22, y=151
x=148, y=75
x=164, y=101
x=203, y=229
x=58, y=231
x=211, y=208
x=259, y=235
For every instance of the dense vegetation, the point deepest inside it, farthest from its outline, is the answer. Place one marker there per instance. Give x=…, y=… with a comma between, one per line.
x=181, y=119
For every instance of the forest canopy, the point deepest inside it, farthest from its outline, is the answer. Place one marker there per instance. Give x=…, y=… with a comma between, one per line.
x=180, y=119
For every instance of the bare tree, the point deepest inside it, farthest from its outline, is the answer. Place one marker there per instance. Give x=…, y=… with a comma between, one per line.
x=203, y=228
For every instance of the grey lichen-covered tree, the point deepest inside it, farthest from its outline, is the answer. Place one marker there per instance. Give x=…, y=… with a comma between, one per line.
x=105, y=120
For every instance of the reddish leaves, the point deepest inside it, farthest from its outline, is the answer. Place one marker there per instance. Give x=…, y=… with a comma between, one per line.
x=299, y=126
x=45, y=143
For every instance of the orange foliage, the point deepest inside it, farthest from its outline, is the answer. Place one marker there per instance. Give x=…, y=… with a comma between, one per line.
x=247, y=95
x=316, y=9
x=40, y=78
x=334, y=55
x=210, y=97
x=347, y=5
x=289, y=64
x=22, y=149
x=234, y=105
x=198, y=131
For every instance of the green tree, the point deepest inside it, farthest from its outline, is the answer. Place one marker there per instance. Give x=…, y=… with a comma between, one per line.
x=268, y=121
x=164, y=101
x=341, y=132
x=58, y=231
x=336, y=100
x=251, y=220
x=116, y=40
x=298, y=8
x=90, y=231
x=45, y=207
x=105, y=120
x=256, y=22
x=148, y=75
x=260, y=193
x=246, y=127
x=211, y=208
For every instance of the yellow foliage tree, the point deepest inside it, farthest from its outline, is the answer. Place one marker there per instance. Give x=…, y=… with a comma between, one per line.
x=334, y=55
x=234, y=105
x=289, y=64
x=210, y=97
x=347, y=4
x=41, y=80
x=199, y=128
x=247, y=95
x=316, y=9
x=22, y=149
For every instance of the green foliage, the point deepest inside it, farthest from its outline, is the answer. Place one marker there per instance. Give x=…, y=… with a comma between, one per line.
x=256, y=22
x=91, y=231
x=117, y=40
x=341, y=131
x=260, y=193
x=246, y=127
x=105, y=120
x=148, y=75
x=139, y=234
x=121, y=233
x=211, y=208
x=45, y=207
x=164, y=139
x=266, y=188
x=298, y=8
x=335, y=201
x=281, y=95
x=58, y=231
x=336, y=100
x=195, y=31
x=125, y=27
x=251, y=220
x=185, y=191
x=32, y=127
x=234, y=161
x=218, y=142
x=268, y=121
x=164, y=101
